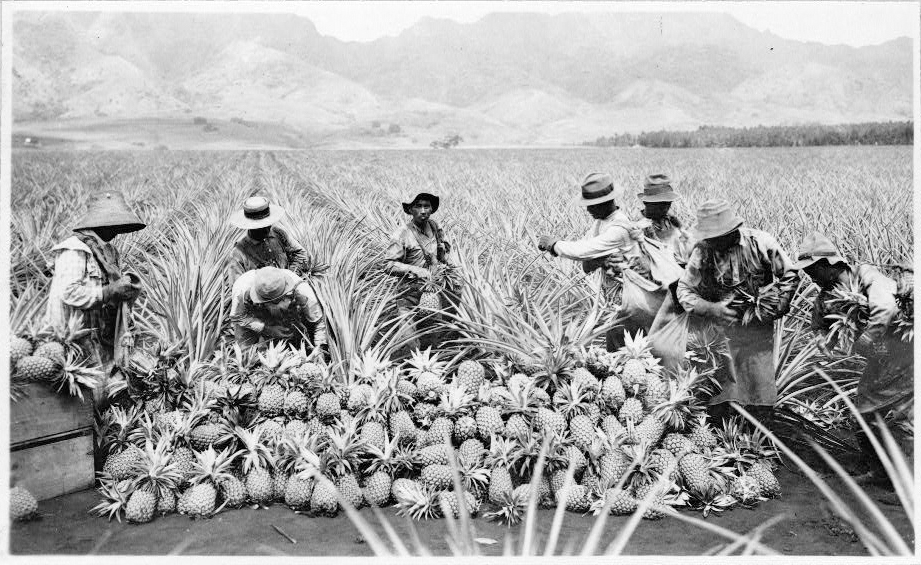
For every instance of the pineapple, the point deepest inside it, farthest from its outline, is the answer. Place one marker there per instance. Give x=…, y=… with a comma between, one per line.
x=233, y=491
x=328, y=406
x=210, y=468
x=612, y=427
x=298, y=492
x=612, y=393
x=450, y=503
x=470, y=375
x=401, y=424
x=631, y=411
x=650, y=429
x=374, y=434
x=746, y=489
x=359, y=396
x=620, y=501
x=415, y=500
x=19, y=347
x=471, y=450
x=578, y=499
x=512, y=506
x=582, y=430
x=23, y=506
x=166, y=504
x=517, y=425
x=655, y=494
x=295, y=404
x=433, y=455
x=586, y=381
x=377, y=488
x=695, y=471
x=384, y=464
x=437, y=477
x=32, y=368
x=549, y=421
x=499, y=460
x=656, y=391
x=489, y=422
x=677, y=444
x=141, y=506
x=256, y=460
x=427, y=371
x=638, y=361
x=465, y=428
x=51, y=350
x=702, y=434
x=348, y=488
x=280, y=477
x=761, y=472
x=324, y=500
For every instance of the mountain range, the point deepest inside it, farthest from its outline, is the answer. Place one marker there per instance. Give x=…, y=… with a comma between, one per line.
x=507, y=79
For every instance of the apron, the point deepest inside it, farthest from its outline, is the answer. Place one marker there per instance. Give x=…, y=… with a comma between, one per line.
x=749, y=375
x=887, y=382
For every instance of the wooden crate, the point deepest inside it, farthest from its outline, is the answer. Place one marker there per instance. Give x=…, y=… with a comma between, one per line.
x=51, y=442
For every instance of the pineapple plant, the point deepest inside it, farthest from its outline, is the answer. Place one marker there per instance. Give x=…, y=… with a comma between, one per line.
x=23, y=506
x=115, y=497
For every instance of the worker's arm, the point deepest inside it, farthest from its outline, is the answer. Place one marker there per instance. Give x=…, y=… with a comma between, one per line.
x=394, y=256
x=310, y=305
x=240, y=315
x=880, y=291
x=785, y=277
x=615, y=238
x=79, y=279
x=298, y=259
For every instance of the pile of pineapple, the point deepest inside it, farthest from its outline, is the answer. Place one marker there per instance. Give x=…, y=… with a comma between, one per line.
x=257, y=428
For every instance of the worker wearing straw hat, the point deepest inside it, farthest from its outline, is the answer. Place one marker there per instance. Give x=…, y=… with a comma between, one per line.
x=886, y=387
x=266, y=244
x=414, y=249
x=731, y=258
x=607, y=245
x=89, y=282
x=272, y=304
x=657, y=198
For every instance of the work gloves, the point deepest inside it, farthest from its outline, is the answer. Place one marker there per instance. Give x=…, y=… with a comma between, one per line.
x=122, y=290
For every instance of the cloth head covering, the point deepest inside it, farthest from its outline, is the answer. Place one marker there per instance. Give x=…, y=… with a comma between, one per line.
x=657, y=188
x=715, y=218
x=271, y=283
x=814, y=247
x=433, y=200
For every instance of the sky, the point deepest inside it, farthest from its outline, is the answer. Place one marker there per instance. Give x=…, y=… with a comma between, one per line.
x=824, y=22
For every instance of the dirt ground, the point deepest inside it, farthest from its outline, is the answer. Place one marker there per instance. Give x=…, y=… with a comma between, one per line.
x=808, y=528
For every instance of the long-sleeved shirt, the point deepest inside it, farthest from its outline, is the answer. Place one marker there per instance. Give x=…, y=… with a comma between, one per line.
x=607, y=236
x=76, y=290
x=279, y=249
x=409, y=246
x=305, y=307
x=713, y=275
x=667, y=230
x=880, y=292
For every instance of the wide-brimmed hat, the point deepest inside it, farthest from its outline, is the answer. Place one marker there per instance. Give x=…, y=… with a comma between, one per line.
x=657, y=188
x=109, y=210
x=271, y=283
x=715, y=218
x=433, y=200
x=596, y=189
x=814, y=247
x=257, y=213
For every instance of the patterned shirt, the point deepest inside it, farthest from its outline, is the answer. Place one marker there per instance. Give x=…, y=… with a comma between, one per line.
x=77, y=282
x=406, y=247
x=713, y=275
x=279, y=249
x=305, y=305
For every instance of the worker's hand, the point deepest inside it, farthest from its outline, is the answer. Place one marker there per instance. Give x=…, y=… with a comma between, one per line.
x=545, y=242
x=419, y=272
x=615, y=263
x=277, y=332
x=718, y=311
x=122, y=290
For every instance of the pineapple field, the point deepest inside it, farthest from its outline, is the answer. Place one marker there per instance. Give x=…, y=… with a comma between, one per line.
x=513, y=413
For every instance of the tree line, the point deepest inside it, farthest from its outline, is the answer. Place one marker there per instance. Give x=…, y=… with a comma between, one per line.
x=869, y=133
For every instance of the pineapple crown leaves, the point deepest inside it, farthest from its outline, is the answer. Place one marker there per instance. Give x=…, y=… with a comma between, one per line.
x=511, y=507
x=572, y=398
x=276, y=362
x=254, y=452
x=390, y=459
x=122, y=428
x=455, y=401
x=115, y=497
x=367, y=365
x=345, y=448
x=416, y=501
x=520, y=399
x=501, y=452
x=424, y=362
x=212, y=466
x=77, y=374
x=156, y=470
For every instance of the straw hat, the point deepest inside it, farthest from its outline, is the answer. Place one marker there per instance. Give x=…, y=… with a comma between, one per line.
x=271, y=283
x=816, y=246
x=715, y=218
x=109, y=210
x=596, y=189
x=257, y=213
x=657, y=188
x=433, y=200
